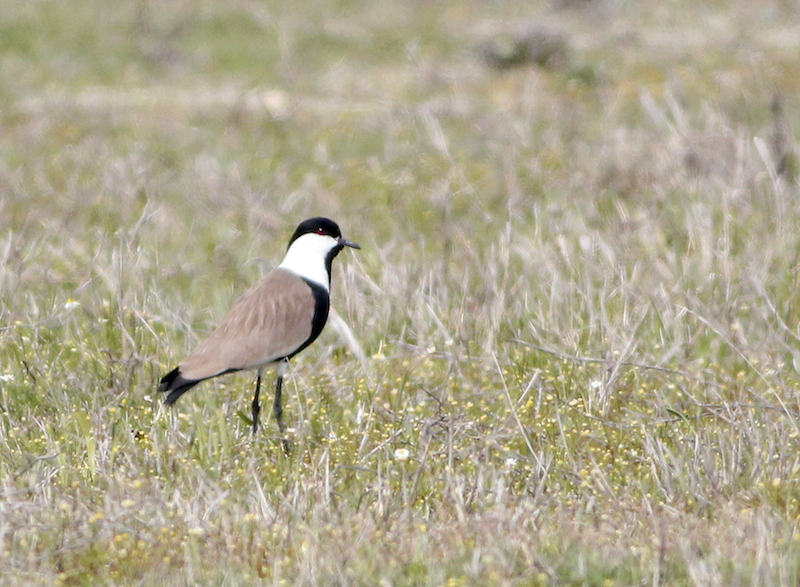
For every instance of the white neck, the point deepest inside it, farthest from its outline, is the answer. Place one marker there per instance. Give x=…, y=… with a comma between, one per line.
x=306, y=257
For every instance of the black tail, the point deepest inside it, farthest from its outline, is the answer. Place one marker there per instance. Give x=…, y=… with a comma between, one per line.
x=176, y=384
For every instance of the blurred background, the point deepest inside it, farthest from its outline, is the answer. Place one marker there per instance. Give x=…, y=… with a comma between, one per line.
x=575, y=303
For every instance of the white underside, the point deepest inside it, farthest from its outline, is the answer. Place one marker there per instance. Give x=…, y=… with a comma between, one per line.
x=281, y=368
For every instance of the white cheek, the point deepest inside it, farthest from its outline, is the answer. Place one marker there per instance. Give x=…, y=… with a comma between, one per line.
x=306, y=257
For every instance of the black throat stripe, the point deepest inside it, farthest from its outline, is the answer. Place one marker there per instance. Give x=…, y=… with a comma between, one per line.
x=322, y=304
x=329, y=261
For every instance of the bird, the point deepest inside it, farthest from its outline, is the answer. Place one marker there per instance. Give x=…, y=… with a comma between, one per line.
x=271, y=322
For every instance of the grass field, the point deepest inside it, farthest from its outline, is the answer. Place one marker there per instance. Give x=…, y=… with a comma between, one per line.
x=576, y=304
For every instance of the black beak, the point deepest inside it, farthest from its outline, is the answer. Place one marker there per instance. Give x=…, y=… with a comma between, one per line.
x=346, y=243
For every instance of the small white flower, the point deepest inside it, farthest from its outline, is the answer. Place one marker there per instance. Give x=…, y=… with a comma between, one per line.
x=511, y=462
x=402, y=454
x=360, y=415
x=6, y=377
x=596, y=384
x=148, y=398
x=276, y=103
x=71, y=304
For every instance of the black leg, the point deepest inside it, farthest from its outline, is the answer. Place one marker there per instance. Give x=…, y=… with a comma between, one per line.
x=256, y=405
x=277, y=409
x=277, y=406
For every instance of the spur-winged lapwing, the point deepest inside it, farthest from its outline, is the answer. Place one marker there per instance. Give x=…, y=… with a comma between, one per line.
x=271, y=322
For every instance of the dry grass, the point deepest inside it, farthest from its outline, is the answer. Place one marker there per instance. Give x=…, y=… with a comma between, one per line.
x=576, y=294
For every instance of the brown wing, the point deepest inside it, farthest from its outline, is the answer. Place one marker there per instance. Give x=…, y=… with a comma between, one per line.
x=269, y=321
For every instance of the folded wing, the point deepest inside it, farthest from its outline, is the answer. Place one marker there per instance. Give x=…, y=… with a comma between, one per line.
x=270, y=321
